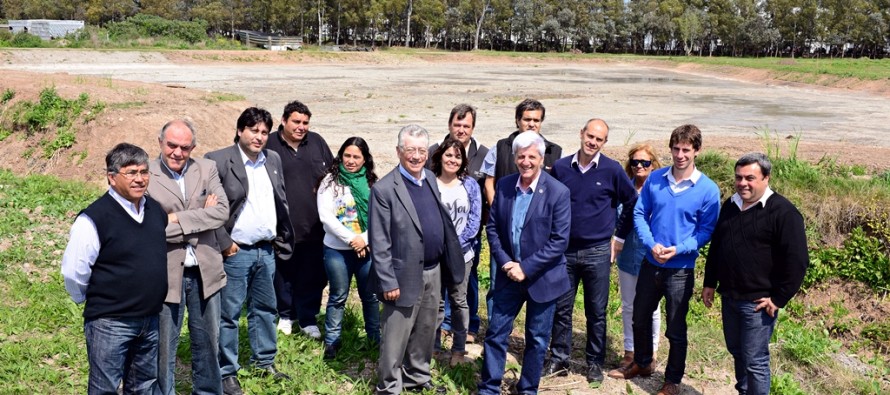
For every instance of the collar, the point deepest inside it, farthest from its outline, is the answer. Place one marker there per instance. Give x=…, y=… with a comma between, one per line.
x=531, y=187
x=284, y=141
x=594, y=163
x=126, y=203
x=696, y=175
x=176, y=175
x=738, y=199
x=416, y=181
x=260, y=159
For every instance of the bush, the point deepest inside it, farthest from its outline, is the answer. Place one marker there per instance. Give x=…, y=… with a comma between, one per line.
x=141, y=26
x=52, y=111
x=26, y=40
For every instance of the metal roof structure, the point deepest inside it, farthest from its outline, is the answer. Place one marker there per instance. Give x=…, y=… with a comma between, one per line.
x=47, y=29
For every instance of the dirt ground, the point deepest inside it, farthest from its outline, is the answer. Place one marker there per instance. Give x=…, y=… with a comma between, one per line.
x=374, y=94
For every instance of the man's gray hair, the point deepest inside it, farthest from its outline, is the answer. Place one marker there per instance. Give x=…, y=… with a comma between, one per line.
x=188, y=123
x=414, y=131
x=756, y=157
x=528, y=139
x=123, y=155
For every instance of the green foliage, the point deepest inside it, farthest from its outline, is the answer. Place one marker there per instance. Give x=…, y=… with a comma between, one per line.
x=804, y=345
x=52, y=111
x=22, y=40
x=719, y=168
x=8, y=94
x=863, y=257
x=785, y=384
x=142, y=25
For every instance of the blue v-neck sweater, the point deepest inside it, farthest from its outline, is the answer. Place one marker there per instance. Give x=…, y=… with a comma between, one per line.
x=685, y=219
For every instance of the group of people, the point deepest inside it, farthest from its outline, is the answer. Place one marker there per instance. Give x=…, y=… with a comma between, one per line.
x=274, y=218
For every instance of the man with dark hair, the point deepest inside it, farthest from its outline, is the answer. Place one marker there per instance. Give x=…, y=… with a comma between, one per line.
x=461, y=124
x=300, y=280
x=674, y=216
x=414, y=248
x=257, y=231
x=598, y=184
x=191, y=194
x=757, y=261
x=123, y=280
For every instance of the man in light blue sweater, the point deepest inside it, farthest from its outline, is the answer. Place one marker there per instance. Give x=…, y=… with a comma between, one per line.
x=674, y=217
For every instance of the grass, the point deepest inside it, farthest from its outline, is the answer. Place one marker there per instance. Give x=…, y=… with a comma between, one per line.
x=42, y=346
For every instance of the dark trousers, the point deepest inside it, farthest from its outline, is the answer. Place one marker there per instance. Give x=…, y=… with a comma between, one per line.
x=675, y=286
x=747, y=333
x=590, y=267
x=299, y=282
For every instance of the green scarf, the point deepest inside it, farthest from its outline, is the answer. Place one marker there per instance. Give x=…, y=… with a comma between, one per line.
x=358, y=186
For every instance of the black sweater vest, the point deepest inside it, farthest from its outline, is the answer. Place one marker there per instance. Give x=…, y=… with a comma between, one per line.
x=129, y=278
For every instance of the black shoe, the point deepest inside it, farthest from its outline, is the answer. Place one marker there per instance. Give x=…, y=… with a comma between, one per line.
x=556, y=369
x=428, y=386
x=595, y=373
x=270, y=371
x=231, y=386
x=330, y=351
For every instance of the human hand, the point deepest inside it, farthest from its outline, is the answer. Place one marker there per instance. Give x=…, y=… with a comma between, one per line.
x=391, y=295
x=707, y=296
x=232, y=250
x=358, y=244
x=172, y=218
x=211, y=201
x=767, y=303
x=665, y=254
x=616, y=249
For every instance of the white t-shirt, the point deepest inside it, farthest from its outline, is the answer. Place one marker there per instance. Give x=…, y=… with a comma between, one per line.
x=457, y=202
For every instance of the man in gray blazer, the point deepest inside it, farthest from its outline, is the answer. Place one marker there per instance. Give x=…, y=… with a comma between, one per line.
x=414, y=246
x=251, y=238
x=190, y=192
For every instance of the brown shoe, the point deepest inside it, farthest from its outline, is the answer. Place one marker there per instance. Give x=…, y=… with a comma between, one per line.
x=630, y=372
x=458, y=358
x=471, y=337
x=627, y=360
x=669, y=388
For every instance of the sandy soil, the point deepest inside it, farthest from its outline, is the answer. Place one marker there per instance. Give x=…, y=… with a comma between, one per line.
x=375, y=94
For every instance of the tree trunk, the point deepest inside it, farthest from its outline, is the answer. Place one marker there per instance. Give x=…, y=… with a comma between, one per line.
x=319, y=10
x=479, y=22
x=408, y=23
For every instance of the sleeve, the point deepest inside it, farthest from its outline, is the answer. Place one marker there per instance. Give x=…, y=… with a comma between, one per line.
x=380, y=235
x=495, y=245
x=488, y=163
x=789, y=273
x=202, y=219
x=712, y=265
x=642, y=213
x=705, y=223
x=326, y=212
x=627, y=197
x=560, y=224
x=79, y=257
x=474, y=216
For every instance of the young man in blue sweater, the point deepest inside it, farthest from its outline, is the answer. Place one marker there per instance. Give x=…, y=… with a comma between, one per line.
x=674, y=216
x=597, y=184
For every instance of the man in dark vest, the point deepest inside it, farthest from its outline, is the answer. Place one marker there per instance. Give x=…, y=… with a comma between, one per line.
x=116, y=262
x=299, y=281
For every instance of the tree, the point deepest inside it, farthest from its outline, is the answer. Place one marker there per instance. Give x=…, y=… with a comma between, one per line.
x=691, y=26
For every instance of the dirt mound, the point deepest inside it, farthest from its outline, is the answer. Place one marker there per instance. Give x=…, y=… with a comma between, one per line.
x=134, y=112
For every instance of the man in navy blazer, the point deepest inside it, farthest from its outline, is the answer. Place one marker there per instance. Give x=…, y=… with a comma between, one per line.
x=528, y=233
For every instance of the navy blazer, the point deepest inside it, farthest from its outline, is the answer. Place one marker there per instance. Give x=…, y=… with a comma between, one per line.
x=396, y=239
x=544, y=238
x=234, y=180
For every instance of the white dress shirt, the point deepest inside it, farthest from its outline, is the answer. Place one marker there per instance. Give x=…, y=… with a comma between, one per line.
x=257, y=219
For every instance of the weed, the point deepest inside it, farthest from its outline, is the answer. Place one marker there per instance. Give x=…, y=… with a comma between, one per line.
x=223, y=97
x=52, y=111
x=785, y=384
x=8, y=94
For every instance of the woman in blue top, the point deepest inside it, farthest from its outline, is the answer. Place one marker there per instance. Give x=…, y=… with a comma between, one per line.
x=342, y=200
x=461, y=196
x=641, y=160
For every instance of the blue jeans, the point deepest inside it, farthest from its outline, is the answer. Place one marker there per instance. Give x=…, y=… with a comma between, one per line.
x=250, y=275
x=299, y=282
x=341, y=265
x=507, y=300
x=122, y=349
x=747, y=334
x=472, y=296
x=590, y=267
x=675, y=286
x=203, y=322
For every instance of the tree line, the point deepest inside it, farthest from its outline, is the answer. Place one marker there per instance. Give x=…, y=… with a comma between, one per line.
x=795, y=28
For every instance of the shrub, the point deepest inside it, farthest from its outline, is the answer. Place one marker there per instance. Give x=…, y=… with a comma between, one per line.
x=26, y=40
x=142, y=25
x=52, y=111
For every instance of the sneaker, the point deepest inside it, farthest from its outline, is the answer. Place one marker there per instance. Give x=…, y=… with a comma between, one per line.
x=311, y=331
x=285, y=326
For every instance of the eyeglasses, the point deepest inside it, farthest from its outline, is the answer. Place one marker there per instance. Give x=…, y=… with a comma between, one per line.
x=410, y=151
x=131, y=175
x=637, y=162
x=183, y=148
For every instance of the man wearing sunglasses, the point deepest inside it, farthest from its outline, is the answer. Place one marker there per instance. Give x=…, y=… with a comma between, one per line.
x=597, y=185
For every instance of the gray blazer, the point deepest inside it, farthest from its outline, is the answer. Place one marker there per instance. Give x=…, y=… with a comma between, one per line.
x=396, y=239
x=197, y=225
x=234, y=181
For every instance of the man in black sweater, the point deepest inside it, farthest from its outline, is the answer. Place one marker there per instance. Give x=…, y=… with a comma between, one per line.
x=116, y=262
x=759, y=257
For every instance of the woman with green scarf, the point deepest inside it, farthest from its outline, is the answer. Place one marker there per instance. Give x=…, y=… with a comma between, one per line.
x=342, y=199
